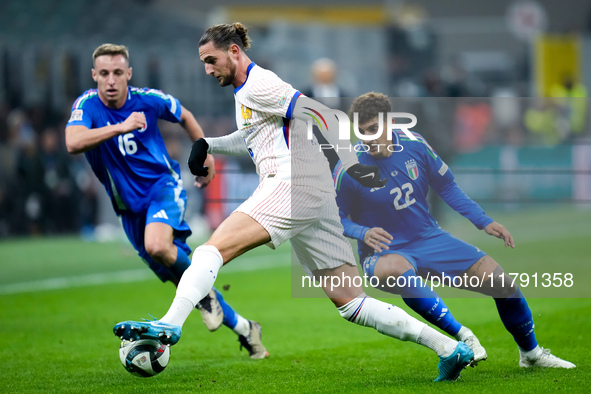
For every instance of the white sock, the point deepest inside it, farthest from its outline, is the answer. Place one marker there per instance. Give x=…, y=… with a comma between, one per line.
x=385, y=318
x=436, y=341
x=242, y=326
x=180, y=309
x=531, y=354
x=394, y=322
x=195, y=283
x=464, y=332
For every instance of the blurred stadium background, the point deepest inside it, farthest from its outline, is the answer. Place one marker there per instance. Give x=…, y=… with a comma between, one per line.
x=477, y=74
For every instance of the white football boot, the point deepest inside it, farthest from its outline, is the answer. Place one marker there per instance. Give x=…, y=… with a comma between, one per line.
x=253, y=342
x=473, y=343
x=543, y=358
x=211, y=311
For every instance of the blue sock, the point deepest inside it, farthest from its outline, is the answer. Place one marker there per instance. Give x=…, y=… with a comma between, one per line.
x=180, y=265
x=230, y=315
x=427, y=303
x=517, y=318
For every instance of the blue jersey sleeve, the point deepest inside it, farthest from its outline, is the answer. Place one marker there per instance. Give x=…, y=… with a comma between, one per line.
x=82, y=110
x=168, y=107
x=442, y=180
x=347, y=201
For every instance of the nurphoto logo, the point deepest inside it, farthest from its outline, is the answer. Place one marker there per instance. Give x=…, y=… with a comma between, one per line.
x=320, y=120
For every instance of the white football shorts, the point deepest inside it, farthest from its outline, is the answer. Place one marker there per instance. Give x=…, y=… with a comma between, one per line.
x=306, y=216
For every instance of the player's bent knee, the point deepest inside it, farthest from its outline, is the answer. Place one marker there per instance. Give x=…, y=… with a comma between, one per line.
x=503, y=287
x=392, y=265
x=388, y=269
x=160, y=251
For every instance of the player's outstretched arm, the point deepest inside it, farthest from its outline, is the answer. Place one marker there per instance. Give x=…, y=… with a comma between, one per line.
x=498, y=230
x=231, y=144
x=80, y=140
x=194, y=130
x=450, y=192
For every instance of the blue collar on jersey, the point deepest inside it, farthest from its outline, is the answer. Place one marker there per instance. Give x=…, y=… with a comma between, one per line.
x=250, y=66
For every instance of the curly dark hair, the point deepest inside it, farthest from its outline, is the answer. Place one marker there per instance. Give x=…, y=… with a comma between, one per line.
x=369, y=105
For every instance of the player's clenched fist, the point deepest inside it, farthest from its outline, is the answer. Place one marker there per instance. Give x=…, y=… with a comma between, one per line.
x=137, y=120
x=368, y=176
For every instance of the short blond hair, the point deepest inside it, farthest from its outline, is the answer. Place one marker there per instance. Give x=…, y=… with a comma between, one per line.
x=110, y=49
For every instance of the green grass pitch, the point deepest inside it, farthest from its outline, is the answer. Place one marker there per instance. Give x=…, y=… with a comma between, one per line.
x=60, y=297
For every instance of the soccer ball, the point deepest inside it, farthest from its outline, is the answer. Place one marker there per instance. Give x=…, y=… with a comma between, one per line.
x=145, y=358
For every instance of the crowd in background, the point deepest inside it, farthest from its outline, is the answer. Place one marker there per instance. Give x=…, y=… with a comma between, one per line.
x=45, y=190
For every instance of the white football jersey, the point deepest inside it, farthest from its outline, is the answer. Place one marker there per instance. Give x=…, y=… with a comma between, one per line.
x=278, y=144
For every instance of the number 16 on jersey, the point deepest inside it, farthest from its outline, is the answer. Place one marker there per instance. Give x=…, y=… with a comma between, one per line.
x=127, y=145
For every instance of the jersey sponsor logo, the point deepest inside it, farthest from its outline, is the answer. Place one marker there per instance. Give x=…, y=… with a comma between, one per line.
x=443, y=169
x=160, y=214
x=246, y=115
x=248, y=130
x=394, y=173
x=76, y=115
x=412, y=169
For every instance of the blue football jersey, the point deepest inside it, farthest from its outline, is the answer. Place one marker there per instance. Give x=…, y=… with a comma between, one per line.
x=401, y=207
x=132, y=165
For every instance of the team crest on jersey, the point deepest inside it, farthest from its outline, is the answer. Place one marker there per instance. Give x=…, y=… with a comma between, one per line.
x=145, y=126
x=412, y=169
x=76, y=115
x=246, y=115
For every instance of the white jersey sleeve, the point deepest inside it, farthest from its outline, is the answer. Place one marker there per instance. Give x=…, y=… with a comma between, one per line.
x=271, y=95
x=277, y=142
x=231, y=144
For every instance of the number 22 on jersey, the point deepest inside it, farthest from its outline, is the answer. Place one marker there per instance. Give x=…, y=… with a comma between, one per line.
x=405, y=190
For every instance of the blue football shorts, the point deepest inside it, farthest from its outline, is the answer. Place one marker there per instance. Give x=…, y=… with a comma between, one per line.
x=165, y=207
x=437, y=255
